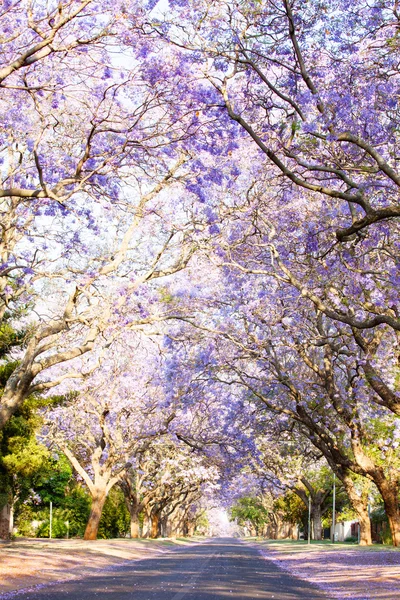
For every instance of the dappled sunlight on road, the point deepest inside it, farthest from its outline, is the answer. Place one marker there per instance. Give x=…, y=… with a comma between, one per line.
x=29, y=562
x=216, y=570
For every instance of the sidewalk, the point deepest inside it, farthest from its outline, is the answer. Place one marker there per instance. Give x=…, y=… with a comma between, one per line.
x=343, y=571
x=33, y=562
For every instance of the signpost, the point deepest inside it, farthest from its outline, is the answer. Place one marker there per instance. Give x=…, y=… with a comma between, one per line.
x=51, y=519
x=334, y=509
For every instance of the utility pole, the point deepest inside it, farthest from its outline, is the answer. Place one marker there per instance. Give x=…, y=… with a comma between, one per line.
x=309, y=519
x=51, y=519
x=334, y=509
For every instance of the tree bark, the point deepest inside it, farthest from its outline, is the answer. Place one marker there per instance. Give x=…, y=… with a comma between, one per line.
x=155, y=520
x=316, y=517
x=317, y=500
x=146, y=526
x=11, y=524
x=135, y=529
x=360, y=505
x=164, y=526
x=96, y=509
x=274, y=526
x=391, y=503
x=128, y=486
x=388, y=489
x=173, y=525
x=134, y=509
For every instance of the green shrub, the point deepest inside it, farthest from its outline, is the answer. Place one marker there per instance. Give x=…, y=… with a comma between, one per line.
x=58, y=530
x=77, y=508
x=115, y=520
x=386, y=536
x=23, y=521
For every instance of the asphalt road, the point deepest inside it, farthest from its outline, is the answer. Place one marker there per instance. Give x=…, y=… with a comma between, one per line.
x=221, y=569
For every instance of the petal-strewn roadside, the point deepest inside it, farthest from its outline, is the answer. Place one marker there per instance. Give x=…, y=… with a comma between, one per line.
x=345, y=573
x=29, y=563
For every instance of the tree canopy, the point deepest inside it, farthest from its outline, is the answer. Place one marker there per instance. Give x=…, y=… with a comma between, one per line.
x=199, y=259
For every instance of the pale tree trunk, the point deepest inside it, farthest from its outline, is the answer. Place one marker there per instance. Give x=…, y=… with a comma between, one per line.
x=316, y=517
x=317, y=500
x=177, y=526
x=11, y=525
x=294, y=532
x=360, y=505
x=128, y=486
x=274, y=526
x=190, y=528
x=172, y=525
x=10, y=402
x=103, y=482
x=164, y=526
x=135, y=529
x=134, y=509
x=13, y=501
x=92, y=527
x=146, y=524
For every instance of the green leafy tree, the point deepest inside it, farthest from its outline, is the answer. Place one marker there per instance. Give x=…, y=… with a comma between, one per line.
x=250, y=510
x=292, y=509
x=115, y=519
x=22, y=457
x=9, y=337
x=30, y=477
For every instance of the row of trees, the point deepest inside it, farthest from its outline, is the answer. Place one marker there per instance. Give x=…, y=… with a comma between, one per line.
x=306, y=319
x=223, y=179
x=105, y=473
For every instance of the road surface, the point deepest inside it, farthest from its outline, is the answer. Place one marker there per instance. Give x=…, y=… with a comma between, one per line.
x=220, y=569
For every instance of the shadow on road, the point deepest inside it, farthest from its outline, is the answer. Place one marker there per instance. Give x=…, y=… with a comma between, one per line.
x=216, y=570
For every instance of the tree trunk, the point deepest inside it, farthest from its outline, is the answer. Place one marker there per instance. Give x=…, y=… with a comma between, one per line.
x=317, y=500
x=134, y=510
x=11, y=400
x=164, y=526
x=173, y=528
x=155, y=519
x=274, y=526
x=388, y=489
x=146, y=525
x=96, y=509
x=135, y=529
x=11, y=525
x=316, y=518
x=360, y=505
x=391, y=503
x=127, y=485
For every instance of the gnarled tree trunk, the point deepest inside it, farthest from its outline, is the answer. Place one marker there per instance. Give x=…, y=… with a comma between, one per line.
x=360, y=505
x=92, y=527
x=132, y=503
x=135, y=527
x=155, y=521
x=318, y=497
x=388, y=489
x=316, y=518
x=391, y=502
